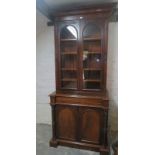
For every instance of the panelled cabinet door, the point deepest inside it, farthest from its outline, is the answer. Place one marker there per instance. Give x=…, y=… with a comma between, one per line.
x=91, y=124
x=66, y=122
x=68, y=49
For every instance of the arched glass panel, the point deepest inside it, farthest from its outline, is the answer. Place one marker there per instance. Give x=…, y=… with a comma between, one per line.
x=91, y=31
x=91, y=57
x=68, y=32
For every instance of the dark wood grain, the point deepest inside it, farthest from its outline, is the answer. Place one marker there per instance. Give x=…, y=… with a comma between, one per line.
x=80, y=104
x=66, y=118
x=90, y=125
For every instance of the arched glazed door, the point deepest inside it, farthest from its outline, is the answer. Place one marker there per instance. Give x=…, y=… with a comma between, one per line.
x=91, y=53
x=68, y=56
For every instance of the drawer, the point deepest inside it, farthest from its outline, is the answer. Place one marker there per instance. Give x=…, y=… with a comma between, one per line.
x=82, y=101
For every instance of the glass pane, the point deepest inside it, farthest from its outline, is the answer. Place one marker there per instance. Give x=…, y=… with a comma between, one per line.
x=68, y=50
x=69, y=85
x=68, y=46
x=92, y=74
x=91, y=61
x=69, y=32
x=92, y=85
x=92, y=46
x=91, y=31
x=91, y=57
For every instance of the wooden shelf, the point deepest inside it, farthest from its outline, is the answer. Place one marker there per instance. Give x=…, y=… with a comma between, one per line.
x=92, y=69
x=69, y=53
x=92, y=39
x=92, y=80
x=91, y=52
x=69, y=69
x=68, y=40
x=69, y=79
x=69, y=88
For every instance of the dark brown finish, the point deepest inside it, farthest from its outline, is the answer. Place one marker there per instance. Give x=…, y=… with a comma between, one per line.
x=66, y=118
x=115, y=147
x=80, y=103
x=90, y=120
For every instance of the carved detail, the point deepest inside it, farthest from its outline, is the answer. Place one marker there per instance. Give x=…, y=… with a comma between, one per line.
x=53, y=143
x=53, y=122
x=52, y=100
x=105, y=128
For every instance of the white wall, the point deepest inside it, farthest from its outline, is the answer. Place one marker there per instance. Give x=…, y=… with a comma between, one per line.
x=46, y=73
x=45, y=70
x=112, y=75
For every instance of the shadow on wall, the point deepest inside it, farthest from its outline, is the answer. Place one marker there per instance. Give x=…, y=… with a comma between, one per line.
x=113, y=119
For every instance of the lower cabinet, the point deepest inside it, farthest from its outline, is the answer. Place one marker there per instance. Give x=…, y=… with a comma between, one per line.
x=81, y=124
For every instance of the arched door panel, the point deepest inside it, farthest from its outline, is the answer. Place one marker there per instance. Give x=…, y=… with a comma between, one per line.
x=66, y=118
x=92, y=56
x=90, y=125
x=69, y=56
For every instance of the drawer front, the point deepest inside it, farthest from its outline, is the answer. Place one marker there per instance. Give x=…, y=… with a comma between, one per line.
x=84, y=101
